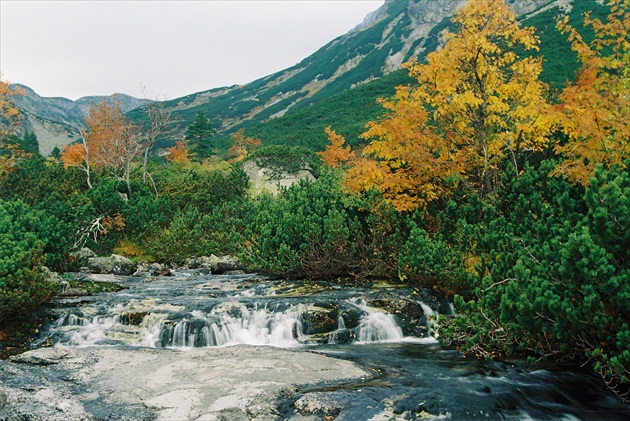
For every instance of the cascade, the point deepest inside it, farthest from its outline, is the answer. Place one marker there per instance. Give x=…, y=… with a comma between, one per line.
x=252, y=327
x=377, y=326
x=432, y=319
x=163, y=316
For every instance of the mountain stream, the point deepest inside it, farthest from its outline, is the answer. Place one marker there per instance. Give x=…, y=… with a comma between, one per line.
x=199, y=346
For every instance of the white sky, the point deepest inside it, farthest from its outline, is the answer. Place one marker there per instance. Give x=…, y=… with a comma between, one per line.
x=173, y=48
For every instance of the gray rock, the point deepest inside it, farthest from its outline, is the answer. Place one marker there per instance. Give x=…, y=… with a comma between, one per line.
x=82, y=256
x=152, y=269
x=114, y=265
x=62, y=285
x=41, y=356
x=240, y=382
x=318, y=403
x=217, y=265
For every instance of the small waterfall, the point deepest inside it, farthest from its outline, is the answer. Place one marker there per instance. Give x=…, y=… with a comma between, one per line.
x=432, y=320
x=251, y=327
x=377, y=326
x=341, y=335
x=211, y=321
x=79, y=329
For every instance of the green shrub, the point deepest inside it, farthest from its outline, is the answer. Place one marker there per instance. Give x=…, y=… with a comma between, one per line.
x=308, y=231
x=553, y=281
x=24, y=235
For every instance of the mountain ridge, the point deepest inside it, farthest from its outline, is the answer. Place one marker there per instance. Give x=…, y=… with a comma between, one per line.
x=57, y=121
x=387, y=37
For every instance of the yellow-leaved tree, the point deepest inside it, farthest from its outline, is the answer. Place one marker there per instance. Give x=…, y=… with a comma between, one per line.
x=595, y=111
x=478, y=101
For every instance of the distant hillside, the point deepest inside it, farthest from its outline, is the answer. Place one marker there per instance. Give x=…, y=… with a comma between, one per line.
x=348, y=111
x=57, y=121
x=398, y=31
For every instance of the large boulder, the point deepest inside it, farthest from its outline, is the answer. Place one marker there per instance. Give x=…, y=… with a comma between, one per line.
x=113, y=265
x=263, y=179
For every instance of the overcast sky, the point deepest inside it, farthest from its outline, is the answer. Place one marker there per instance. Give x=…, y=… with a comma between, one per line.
x=172, y=48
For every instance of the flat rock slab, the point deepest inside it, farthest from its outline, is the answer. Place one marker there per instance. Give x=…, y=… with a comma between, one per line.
x=239, y=382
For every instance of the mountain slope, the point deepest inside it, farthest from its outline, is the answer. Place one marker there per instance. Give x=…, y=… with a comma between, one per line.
x=398, y=31
x=348, y=111
x=336, y=86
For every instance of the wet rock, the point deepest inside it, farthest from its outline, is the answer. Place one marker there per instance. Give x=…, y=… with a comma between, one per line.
x=152, y=269
x=133, y=319
x=319, y=403
x=341, y=336
x=351, y=318
x=74, y=292
x=114, y=265
x=320, y=320
x=410, y=315
x=234, y=272
x=49, y=275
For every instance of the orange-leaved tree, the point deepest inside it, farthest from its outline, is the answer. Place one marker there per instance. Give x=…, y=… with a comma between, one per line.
x=9, y=124
x=242, y=146
x=595, y=111
x=477, y=103
x=336, y=153
x=178, y=154
x=109, y=141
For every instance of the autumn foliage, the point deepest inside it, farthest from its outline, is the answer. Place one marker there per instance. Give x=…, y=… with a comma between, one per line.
x=110, y=141
x=178, y=154
x=242, y=146
x=477, y=103
x=10, y=120
x=595, y=111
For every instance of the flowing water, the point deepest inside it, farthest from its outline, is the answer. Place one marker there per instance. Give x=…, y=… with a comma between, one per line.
x=389, y=329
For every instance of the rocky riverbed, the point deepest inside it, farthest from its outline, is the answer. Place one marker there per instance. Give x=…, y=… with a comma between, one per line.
x=187, y=344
